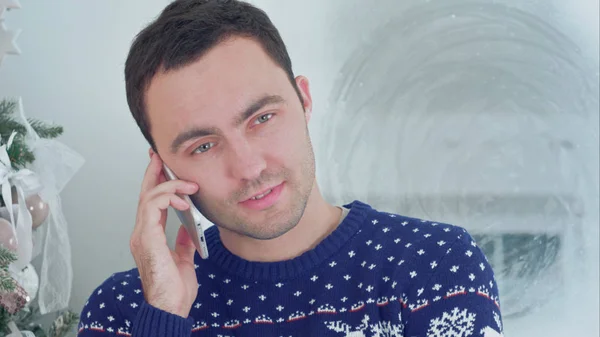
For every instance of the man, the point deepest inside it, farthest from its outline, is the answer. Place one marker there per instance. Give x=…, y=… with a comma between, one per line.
x=211, y=87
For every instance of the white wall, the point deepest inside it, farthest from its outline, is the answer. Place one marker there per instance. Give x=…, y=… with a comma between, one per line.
x=71, y=72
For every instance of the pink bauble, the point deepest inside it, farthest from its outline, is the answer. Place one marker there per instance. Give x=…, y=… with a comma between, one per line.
x=38, y=208
x=7, y=238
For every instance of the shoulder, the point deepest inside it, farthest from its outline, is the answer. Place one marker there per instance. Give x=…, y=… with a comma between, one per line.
x=427, y=254
x=118, y=297
x=412, y=234
x=124, y=282
x=417, y=245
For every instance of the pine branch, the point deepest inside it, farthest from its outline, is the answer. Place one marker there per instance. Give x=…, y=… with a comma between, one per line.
x=7, y=106
x=28, y=319
x=8, y=125
x=19, y=153
x=44, y=130
x=5, y=317
x=62, y=325
x=7, y=283
x=6, y=257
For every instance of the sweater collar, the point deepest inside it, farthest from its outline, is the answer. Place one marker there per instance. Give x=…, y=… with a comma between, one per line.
x=221, y=257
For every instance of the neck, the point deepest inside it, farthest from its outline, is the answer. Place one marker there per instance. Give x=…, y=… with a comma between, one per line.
x=319, y=219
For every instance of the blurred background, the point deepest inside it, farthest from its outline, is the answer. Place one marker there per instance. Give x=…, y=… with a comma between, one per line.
x=479, y=113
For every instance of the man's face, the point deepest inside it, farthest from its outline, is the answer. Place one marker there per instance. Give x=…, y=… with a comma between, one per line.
x=233, y=123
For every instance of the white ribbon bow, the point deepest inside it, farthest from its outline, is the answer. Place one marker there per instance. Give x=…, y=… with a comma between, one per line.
x=55, y=164
x=25, y=183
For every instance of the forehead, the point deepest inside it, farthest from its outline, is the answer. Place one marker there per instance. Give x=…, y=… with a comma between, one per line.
x=219, y=84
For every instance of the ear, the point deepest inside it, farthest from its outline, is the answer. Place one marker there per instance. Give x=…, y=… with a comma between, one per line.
x=150, y=152
x=302, y=83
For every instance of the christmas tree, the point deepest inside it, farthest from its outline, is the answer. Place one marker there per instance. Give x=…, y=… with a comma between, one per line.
x=18, y=311
x=6, y=281
x=12, y=296
x=26, y=319
x=19, y=153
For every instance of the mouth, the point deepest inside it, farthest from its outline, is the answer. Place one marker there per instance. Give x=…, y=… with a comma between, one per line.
x=264, y=199
x=262, y=194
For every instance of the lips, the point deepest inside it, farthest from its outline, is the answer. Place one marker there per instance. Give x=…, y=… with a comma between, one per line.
x=262, y=192
x=262, y=195
x=266, y=202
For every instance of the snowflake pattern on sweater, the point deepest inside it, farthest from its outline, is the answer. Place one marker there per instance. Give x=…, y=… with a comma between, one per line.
x=378, y=274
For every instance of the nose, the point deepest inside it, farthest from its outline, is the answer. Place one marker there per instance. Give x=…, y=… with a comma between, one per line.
x=246, y=162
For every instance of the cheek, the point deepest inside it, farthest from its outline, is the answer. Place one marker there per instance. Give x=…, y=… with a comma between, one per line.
x=212, y=183
x=214, y=194
x=284, y=143
x=295, y=156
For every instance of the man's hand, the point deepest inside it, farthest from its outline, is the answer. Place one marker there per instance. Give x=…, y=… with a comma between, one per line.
x=168, y=277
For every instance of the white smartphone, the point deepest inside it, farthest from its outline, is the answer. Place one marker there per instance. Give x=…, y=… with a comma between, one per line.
x=191, y=219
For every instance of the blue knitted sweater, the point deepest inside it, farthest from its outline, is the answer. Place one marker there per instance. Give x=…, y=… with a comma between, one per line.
x=378, y=274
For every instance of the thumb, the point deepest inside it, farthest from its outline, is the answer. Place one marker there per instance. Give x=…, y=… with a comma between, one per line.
x=184, y=246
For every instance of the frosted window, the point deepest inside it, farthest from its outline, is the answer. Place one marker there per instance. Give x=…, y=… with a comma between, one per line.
x=483, y=114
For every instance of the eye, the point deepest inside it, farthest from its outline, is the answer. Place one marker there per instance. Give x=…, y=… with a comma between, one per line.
x=264, y=118
x=203, y=148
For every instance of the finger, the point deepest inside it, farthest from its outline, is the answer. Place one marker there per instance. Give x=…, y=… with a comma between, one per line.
x=152, y=214
x=151, y=177
x=161, y=177
x=184, y=246
x=172, y=187
x=163, y=201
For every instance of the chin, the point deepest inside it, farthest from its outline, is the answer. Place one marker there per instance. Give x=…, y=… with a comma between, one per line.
x=270, y=234
x=266, y=231
x=272, y=227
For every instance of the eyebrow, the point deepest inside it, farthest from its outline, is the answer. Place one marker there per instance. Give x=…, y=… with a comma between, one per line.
x=196, y=132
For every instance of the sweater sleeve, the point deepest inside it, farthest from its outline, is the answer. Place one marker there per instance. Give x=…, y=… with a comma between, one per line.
x=117, y=307
x=459, y=298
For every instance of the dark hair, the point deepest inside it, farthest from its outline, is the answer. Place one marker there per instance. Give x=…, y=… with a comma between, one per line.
x=183, y=33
